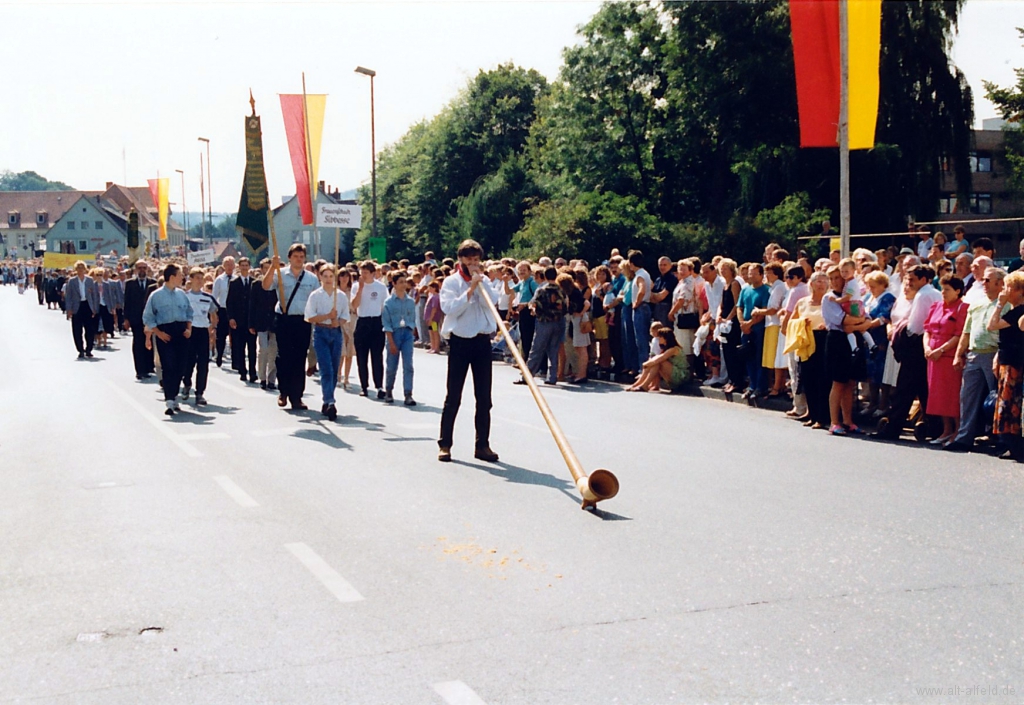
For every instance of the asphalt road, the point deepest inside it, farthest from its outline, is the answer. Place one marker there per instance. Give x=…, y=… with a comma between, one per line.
x=249, y=554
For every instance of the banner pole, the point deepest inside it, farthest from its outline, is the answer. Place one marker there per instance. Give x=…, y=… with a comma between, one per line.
x=844, y=128
x=309, y=167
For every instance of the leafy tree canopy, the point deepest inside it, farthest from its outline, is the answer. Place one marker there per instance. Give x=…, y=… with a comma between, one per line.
x=29, y=181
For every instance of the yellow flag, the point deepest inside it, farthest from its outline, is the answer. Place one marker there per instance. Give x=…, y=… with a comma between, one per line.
x=865, y=23
x=316, y=106
x=159, y=189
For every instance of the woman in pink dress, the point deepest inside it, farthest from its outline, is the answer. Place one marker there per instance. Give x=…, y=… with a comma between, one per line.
x=941, y=334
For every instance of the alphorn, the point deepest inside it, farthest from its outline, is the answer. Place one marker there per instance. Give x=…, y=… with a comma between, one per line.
x=598, y=485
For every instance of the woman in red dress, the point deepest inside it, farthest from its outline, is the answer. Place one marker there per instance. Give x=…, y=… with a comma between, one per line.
x=941, y=334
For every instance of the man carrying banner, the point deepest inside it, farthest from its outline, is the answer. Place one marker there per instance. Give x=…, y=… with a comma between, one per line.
x=293, y=331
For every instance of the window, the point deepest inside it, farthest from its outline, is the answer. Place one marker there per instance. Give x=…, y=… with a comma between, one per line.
x=12, y=218
x=21, y=240
x=948, y=204
x=99, y=225
x=71, y=225
x=85, y=225
x=41, y=218
x=981, y=162
x=981, y=203
x=83, y=245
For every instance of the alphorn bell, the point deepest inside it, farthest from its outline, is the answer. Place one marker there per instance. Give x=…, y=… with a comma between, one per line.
x=598, y=485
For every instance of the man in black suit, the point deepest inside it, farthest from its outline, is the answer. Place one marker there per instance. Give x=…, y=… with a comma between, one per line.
x=242, y=340
x=136, y=293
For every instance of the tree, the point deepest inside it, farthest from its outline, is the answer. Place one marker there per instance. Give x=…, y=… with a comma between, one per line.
x=29, y=181
x=1010, y=102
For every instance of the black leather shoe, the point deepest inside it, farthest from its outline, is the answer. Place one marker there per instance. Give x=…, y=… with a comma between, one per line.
x=486, y=454
x=380, y=394
x=362, y=392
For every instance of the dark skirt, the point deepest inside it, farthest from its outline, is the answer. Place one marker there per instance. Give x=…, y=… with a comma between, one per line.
x=842, y=363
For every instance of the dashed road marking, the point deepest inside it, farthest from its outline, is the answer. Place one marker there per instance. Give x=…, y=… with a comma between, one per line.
x=458, y=693
x=185, y=447
x=235, y=492
x=332, y=580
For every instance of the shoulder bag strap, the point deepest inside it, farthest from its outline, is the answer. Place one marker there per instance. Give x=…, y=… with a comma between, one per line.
x=294, y=292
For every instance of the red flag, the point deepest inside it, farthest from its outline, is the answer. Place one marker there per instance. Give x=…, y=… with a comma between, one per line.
x=295, y=130
x=815, y=26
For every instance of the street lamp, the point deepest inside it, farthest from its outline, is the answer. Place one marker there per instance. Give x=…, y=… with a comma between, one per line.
x=209, y=186
x=184, y=210
x=373, y=146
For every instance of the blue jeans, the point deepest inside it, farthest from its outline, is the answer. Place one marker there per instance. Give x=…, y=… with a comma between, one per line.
x=327, y=344
x=642, y=333
x=756, y=377
x=403, y=341
x=547, y=339
x=629, y=361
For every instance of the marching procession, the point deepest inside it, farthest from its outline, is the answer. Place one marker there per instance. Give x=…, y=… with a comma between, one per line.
x=929, y=339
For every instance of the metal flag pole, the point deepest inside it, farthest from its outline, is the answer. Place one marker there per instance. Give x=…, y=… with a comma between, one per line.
x=844, y=128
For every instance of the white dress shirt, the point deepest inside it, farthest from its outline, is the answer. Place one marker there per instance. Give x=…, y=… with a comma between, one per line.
x=320, y=303
x=465, y=316
x=220, y=289
x=920, y=307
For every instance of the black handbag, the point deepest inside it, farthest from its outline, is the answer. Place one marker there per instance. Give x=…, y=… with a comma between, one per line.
x=685, y=321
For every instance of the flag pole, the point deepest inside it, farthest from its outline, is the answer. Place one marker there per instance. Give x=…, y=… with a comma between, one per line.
x=309, y=166
x=270, y=215
x=844, y=128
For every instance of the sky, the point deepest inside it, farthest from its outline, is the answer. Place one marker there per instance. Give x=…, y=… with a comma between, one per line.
x=121, y=91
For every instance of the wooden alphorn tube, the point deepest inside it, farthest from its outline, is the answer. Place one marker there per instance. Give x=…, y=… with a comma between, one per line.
x=598, y=485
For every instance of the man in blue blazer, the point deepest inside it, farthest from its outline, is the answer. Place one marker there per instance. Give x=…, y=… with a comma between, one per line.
x=81, y=305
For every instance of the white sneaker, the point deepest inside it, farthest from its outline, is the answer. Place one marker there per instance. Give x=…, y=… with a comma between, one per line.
x=177, y=406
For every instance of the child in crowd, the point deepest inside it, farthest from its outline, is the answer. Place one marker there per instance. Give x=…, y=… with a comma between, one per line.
x=432, y=315
x=853, y=300
x=399, y=321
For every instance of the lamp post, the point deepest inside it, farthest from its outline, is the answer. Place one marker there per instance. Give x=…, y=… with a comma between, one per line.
x=209, y=186
x=184, y=210
x=373, y=146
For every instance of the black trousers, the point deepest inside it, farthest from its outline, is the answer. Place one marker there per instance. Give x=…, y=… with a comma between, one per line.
x=197, y=358
x=143, y=358
x=911, y=384
x=40, y=291
x=223, y=328
x=172, y=358
x=293, y=334
x=615, y=342
x=527, y=326
x=108, y=319
x=369, y=341
x=241, y=341
x=735, y=360
x=84, y=322
x=465, y=354
x=815, y=381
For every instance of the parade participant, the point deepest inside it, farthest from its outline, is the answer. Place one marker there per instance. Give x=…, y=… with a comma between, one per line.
x=261, y=324
x=348, y=328
x=327, y=309
x=136, y=293
x=81, y=308
x=468, y=325
x=368, y=295
x=38, y=282
x=242, y=341
x=398, y=318
x=106, y=318
x=168, y=317
x=293, y=331
x=220, y=292
x=204, y=320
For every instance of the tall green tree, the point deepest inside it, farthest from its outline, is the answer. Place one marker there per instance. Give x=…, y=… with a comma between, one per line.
x=29, y=181
x=1010, y=102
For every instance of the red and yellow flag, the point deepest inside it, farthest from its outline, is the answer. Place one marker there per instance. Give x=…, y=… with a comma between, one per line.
x=815, y=27
x=159, y=189
x=304, y=128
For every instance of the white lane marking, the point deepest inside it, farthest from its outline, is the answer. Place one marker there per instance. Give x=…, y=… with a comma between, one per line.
x=279, y=431
x=538, y=429
x=204, y=436
x=244, y=391
x=327, y=575
x=236, y=492
x=458, y=693
x=185, y=447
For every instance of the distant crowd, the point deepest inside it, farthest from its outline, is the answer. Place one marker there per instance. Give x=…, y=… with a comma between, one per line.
x=927, y=338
